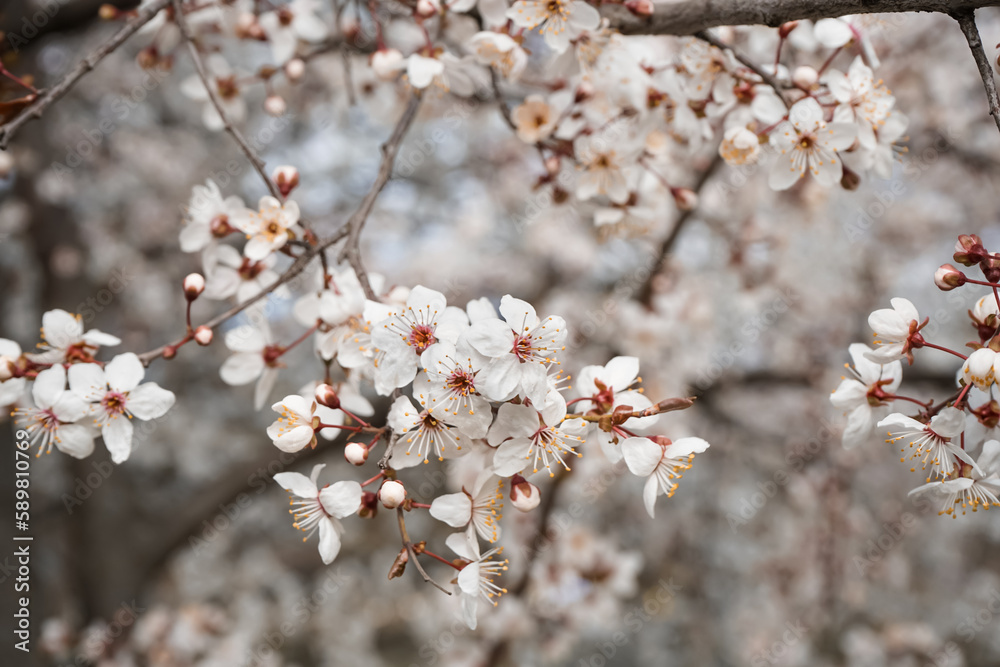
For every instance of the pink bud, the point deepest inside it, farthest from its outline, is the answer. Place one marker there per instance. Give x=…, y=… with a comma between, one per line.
x=640, y=7
x=286, y=178
x=686, y=198
x=275, y=105
x=327, y=395
x=356, y=453
x=947, y=278
x=392, y=494
x=427, y=8
x=194, y=285
x=295, y=68
x=523, y=494
x=387, y=63
x=785, y=28
x=203, y=335
x=969, y=250
x=805, y=77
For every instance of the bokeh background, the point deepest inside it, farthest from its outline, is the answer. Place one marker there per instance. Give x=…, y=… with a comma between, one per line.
x=780, y=547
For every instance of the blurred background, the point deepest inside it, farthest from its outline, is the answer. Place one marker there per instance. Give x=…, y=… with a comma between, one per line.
x=779, y=548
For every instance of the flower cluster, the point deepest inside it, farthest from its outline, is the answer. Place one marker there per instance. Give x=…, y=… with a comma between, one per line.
x=955, y=440
x=64, y=397
x=614, y=120
x=480, y=383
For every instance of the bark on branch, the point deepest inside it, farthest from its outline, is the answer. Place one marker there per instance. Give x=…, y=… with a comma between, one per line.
x=693, y=16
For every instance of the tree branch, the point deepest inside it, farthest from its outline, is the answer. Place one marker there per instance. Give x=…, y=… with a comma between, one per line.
x=746, y=62
x=52, y=94
x=967, y=22
x=413, y=556
x=351, y=230
x=213, y=95
x=352, y=250
x=693, y=16
x=645, y=296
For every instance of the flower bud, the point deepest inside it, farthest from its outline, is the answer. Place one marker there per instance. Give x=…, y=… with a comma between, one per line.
x=148, y=58
x=850, y=180
x=552, y=164
x=427, y=8
x=640, y=7
x=220, y=226
x=392, y=494
x=523, y=494
x=805, y=77
x=969, y=250
x=7, y=368
x=247, y=27
x=785, y=28
x=947, y=278
x=356, y=453
x=386, y=63
x=979, y=370
x=108, y=12
x=275, y=105
x=203, y=335
x=369, y=505
x=686, y=198
x=286, y=178
x=327, y=395
x=295, y=69
x=194, y=285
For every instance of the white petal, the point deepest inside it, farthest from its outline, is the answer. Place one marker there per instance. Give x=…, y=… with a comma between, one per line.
x=329, y=541
x=455, y=509
x=76, y=440
x=150, y=401
x=117, y=435
x=341, y=499
x=241, y=368
x=49, y=384
x=87, y=381
x=297, y=483
x=642, y=455
x=649, y=493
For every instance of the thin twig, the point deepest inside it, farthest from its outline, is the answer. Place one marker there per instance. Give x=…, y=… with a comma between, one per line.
x=967, y=22
x=353, y=226
x=52, y=94
x=413, y=556
x=769, y=79
x=213, y=95
x=351, y=250
x=645, y=295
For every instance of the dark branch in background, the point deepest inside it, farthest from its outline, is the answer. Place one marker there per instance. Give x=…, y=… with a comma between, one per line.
x=213, y=94
x=967, y=22
x=693, y=16
x=52, y=94
x=746, y=62
x=645, y=295
x=352, y=250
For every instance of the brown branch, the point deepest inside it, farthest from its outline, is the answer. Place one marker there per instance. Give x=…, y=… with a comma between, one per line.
x=351, y=230
x=645, y=295
x=967, y=22
x=213, y=95
x=692, y=16
x=352, y=250
x=413, y=556
x=746, y=62
x=8, y=130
